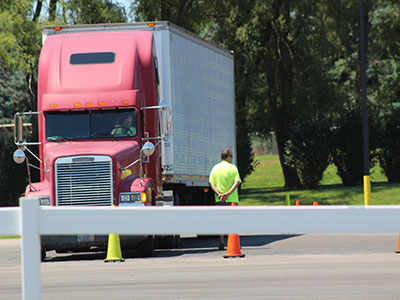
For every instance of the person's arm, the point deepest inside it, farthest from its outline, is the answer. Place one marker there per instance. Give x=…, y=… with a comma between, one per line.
x=231, y=190
x=214, y=188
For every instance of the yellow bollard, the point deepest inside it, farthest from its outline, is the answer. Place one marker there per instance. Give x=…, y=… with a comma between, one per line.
x=367, y=190
x=288, y=199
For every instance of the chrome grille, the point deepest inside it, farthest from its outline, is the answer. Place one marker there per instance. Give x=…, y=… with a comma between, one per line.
x=84, y=180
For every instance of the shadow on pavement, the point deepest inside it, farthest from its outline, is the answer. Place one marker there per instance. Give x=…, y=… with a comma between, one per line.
x=187, y=245
x=205, y=244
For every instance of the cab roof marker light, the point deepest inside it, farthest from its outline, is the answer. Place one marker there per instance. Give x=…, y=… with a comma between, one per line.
x=125, y=102
x=101, y=103
x=89, y=103
x=77, y=105
x=53, y=105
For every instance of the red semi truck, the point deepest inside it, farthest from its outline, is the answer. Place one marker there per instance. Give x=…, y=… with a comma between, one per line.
x=128, y=114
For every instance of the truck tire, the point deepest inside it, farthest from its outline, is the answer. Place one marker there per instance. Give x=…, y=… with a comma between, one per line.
x=188, y=200
x=146, y=247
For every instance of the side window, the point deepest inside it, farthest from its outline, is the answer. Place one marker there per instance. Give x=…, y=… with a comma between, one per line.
x=114, y=123
x=125, y=124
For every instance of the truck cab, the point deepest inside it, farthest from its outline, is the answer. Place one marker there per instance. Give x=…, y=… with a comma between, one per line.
x=97, y=109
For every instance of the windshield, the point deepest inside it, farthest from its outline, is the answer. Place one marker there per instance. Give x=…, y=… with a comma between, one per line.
x=94, y=124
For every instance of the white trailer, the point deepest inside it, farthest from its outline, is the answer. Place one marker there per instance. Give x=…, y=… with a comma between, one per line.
x=197, y=82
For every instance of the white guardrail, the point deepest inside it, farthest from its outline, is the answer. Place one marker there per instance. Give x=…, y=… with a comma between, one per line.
x=31, y=220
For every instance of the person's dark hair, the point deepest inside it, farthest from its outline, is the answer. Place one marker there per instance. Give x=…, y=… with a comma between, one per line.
x=225, y=154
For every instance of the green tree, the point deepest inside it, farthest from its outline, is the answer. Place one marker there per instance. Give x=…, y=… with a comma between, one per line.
x=20, y=42
x=383, y=82
x=283, y=74
x=308, y=150
x=91, y=12
x=189, y=14
x=14, y=94
x=12, y=176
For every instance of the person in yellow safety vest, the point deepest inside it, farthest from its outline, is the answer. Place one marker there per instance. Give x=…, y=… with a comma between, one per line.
x=224, y=181
x=125, y=128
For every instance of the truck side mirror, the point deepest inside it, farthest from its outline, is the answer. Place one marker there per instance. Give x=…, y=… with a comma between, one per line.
x=165, y=125
x=165, y=118
x=148, y=148
x=18, y=129
x=19, y=156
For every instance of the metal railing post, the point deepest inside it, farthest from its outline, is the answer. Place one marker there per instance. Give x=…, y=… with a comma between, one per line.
x=30, y=249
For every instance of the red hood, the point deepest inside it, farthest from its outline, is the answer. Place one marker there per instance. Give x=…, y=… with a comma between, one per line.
x=122, y=152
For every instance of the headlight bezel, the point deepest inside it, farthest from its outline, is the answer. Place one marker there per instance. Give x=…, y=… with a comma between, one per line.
x=129, y=197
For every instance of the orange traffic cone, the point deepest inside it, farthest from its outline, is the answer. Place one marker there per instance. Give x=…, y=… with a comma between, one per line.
x=233, y=249
x=297, y=202
x=398, y=246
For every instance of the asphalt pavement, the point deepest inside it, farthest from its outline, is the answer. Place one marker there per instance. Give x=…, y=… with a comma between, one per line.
x=310, y=266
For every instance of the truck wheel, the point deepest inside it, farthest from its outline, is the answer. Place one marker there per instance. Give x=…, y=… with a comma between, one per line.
x=188, y=197
x=177, y=200
x=200, y=197
x=146, y=247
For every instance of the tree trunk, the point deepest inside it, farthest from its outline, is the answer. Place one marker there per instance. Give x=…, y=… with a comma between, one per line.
x=52, y=10
x=292, y=180
x=37, y=11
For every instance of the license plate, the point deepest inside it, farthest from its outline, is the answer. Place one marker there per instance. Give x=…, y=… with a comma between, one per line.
x=85, y=238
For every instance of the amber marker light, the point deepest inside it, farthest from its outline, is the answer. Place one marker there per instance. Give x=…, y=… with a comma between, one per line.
x=53, y=105
x=101, y=103
x=77, y=105
x=151, y=24
x=89, y=104
x=57, y=28
x=125, y=102
x=143, y=197
x=205, y=190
